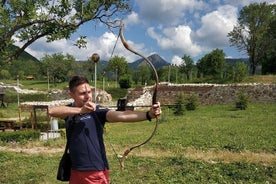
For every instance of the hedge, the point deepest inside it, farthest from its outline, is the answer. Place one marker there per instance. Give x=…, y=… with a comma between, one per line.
x=19, y=136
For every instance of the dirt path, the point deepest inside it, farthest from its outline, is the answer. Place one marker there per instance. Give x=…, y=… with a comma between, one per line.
x=211, y=156
x=33, y=150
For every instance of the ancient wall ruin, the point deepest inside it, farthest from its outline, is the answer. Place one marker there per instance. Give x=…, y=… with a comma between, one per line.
x=206, y=93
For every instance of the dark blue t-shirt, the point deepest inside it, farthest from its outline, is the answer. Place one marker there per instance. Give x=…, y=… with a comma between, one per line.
x=86, y=146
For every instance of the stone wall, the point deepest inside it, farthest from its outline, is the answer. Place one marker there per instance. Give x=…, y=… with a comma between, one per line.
x=206, y=93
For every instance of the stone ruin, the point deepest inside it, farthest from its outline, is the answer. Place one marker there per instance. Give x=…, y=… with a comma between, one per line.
x=207, y=94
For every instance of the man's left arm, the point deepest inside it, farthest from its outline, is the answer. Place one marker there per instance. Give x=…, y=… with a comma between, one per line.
x=134, y=116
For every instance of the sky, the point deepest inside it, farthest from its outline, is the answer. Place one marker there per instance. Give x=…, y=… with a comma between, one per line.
x=169, y=28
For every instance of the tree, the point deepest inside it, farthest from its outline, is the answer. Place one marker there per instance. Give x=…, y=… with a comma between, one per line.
x=248, y=35
x=5, y=74
x=187, y=66
x=117, y=65
x=269, y=59
x=212, y=64
x=241, y=71
x=179, y=106
x=29, y=20
x=144, y=73
x=125, y=81
x=26, y=67
x=58, y=66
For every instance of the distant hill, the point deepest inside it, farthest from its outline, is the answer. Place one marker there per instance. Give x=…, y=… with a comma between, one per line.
x=156, y=60
x=25, y=55
x=233, y=61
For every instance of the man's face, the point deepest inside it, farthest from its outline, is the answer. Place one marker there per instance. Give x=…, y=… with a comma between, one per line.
x=81, y=94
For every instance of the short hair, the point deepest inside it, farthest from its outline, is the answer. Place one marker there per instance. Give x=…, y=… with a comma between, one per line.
x=76, y=81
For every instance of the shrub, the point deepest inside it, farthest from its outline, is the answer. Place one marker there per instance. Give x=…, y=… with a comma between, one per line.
x=19, y=136
x=125, y=82
x=241, y=71
x=11, y=97
x=179, y=107
x=242, y=102
x=191, y=103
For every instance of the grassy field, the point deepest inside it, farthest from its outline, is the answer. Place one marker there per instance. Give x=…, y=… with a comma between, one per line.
x=214, y=144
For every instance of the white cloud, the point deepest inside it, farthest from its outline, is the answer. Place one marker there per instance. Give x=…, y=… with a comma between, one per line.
x=247, y=2
x=176, y=60
x=216, y=25
x=102, y=45
x=167, y=11
x=177, y=39
x=133, y=18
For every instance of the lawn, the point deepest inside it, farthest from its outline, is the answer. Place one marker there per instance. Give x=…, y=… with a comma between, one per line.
x=214, y=144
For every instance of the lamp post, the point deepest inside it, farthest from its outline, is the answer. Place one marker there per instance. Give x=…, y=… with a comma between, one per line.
x=17, y=89
x=169, y=75
x=116, y=76
x=48, y=80
x=95, y=58
x=103, y=79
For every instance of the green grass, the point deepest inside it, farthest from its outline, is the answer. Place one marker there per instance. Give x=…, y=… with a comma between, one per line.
x=214, y=144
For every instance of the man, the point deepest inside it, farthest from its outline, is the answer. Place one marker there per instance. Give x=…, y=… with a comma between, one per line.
x=87, y=150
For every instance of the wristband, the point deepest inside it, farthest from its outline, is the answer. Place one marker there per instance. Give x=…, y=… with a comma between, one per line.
x=148, y=116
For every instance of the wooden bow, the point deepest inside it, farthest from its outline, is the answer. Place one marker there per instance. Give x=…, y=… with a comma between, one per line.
x=154, y=96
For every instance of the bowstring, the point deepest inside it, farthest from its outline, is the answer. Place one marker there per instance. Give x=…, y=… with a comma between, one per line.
x=112, y=147
x=108, y=138
x=115, y=45
x=106, y=134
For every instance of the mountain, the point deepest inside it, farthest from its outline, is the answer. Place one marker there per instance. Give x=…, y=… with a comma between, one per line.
x=156, y=60
x=234, y=61
x=24, y=55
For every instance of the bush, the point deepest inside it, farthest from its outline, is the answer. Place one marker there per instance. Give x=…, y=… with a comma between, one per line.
x=19, y=136
x=179, y=107
x=241, y=71
x=125, y=82
x=191, y=103
x=11, y=97
x=242, y=102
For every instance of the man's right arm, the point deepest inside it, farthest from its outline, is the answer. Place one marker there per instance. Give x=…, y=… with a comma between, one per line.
x=64, y=111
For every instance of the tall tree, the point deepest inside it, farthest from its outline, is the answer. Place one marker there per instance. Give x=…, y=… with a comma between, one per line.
x=212, y=64
x=118, y=65
x=58, y=66
x=187, y=66
x=269, y=59
x=248, y=35
x=144, y=73
x=29, y=20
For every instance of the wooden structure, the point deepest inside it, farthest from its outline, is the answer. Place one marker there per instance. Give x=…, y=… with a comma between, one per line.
x=2, y=95
x=33, y=113
x=8, y=124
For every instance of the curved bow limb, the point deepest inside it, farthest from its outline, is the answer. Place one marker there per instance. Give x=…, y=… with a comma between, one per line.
x=154, y=96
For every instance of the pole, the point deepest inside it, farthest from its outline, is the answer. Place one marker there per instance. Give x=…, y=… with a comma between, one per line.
x=103, y=79
x=169, y=75
x=48, y=80
x=95, y=77
x=95, y=58
x=17, y=90
x=116, y=76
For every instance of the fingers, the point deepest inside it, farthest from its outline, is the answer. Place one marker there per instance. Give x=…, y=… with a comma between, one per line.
x=156, y=105
x=156, y=110
x=88, y=107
